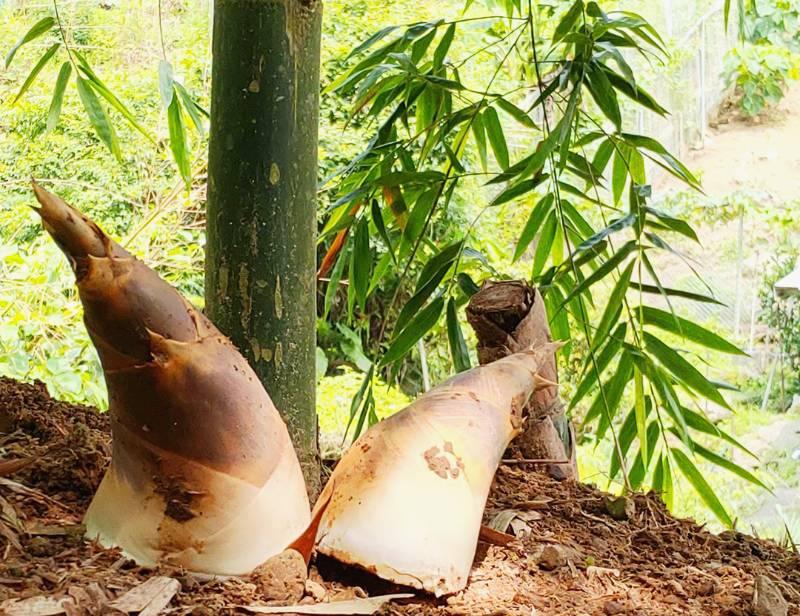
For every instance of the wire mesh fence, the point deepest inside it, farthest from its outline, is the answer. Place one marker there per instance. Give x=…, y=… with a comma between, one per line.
x=690, y=85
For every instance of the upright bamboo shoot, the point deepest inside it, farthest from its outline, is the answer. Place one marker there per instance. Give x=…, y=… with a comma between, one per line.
x=203, y=474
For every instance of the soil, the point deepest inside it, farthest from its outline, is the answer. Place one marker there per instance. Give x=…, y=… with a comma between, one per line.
x=759, y=154
x=570, y=549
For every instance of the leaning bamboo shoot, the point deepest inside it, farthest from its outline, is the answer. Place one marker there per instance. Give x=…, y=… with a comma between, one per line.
x=406, y=500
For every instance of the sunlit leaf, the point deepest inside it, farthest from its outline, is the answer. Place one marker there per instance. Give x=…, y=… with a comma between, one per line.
x=542, y=208
x=192, y=109
x=699, y=483
x=458, y=346
x=41, y=27
x=687, y=329
x=58, y=95
x=683, y=370
x=568, y=21
x=111, y=98
x=177, y=140
x=414, y=331
x=444, y=46
x=361, y=263
x=497, y=138
x=98, y=117
x=544, y=245
x=46, y=56
x=166, y=83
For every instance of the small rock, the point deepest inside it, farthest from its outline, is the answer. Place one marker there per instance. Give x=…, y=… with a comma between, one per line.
x=316, y=591
x=706, y=588
x=767, y=598
x=553, y=556
x=613, y=607
x=42, y=546
x=619, y=507
x=282, y=578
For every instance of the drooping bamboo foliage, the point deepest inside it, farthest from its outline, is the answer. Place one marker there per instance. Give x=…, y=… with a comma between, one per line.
x=406, y=500
x=203, y=473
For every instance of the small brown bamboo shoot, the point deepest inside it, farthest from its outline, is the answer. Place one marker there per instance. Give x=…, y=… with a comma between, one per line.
x=406, y=500
x=203, y=473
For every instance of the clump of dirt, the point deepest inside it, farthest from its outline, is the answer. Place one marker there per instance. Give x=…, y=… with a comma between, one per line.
x=564, y=549
x=72, y=442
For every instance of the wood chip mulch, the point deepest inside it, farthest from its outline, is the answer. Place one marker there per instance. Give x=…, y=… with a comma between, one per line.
x=556, y=548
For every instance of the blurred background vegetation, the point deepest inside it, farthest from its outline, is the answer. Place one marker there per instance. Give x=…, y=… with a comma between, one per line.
x=749, y=237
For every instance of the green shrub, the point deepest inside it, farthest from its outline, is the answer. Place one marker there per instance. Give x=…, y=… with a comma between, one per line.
x=776, y=22
x=760, y=74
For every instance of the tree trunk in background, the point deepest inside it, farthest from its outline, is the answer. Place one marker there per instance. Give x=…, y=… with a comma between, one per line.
x=262, y=184
x=508, y=317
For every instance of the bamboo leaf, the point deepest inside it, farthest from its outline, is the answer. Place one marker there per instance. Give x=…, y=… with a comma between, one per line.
x=616, y=226
x=361, y=263
x=545, y=244
x=414, y=331
x=634, y=92
x=98, y=117
x=466, y=284
x=377, y=219
x=444, y=46
x=518, y=189
x=674, y=166
x=682, y=370
x=58, y=95
x=458, y=346
x=674, y=224
x=191, y=107
x=46, y=56
x=479, y=133
x=607, y=400
x=625, y=437
x=698, y=422
x=166, y=83
x=699, y=483
x=652, y=289
x=378, y=36
x=619, y=176
x=729, y=466
x=603, y=94
x=534, y=222
x=497, y=138
x=601, y=272
x=438, y=265
x=515, y=112
x=667, y=488
x=101, y=89
x=686, y=329
x=41, y=27
x=640, y=412
x=614, y=306
x=419, y=214
x=358, y=400
x=177, y=141
x=594, y=368
x=569, y=19
x=333, y=284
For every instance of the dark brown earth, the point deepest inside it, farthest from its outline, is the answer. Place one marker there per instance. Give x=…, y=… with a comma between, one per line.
x=570, y=556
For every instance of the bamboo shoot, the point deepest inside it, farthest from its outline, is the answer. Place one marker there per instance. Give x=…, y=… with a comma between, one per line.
x=203, y=474
x=406, y=500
